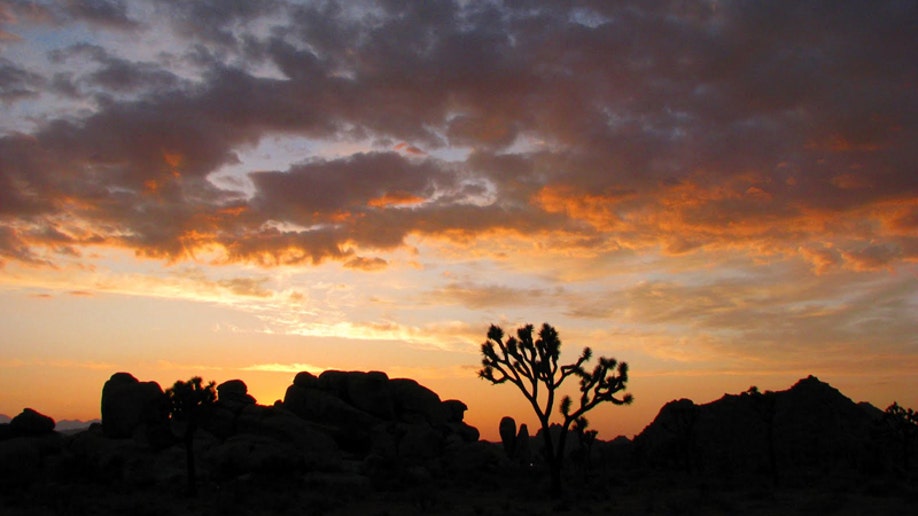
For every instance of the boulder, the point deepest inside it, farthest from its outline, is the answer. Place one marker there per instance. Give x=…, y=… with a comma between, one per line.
x=111, y=461
x=366, y=412
x=415, y=403
x=249, y=453
x=316, y=448
x=235, y=390
x=465, y=431
x=323, y=407
x=523, y=447
x=369, y=392
x=507, y=431
x=419, y=442
x=128, y=404
x=349, y=426
x=454, y=410
x=471, y=461
x=306, y=380
x=233, y=394
x=220, y=419
x=334, y=382
x=30, y=423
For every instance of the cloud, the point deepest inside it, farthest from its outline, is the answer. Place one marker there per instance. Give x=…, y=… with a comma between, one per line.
x=623, y=126
x=366, y=264
x=756, y=318
x=17, y=83
x=107, y=13
x=284, y=368
x=477, y=297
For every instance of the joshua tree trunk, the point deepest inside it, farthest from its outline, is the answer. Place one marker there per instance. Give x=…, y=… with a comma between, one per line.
x=554, y=465
x=772, y=457
x=189, y=457
x=557, y=463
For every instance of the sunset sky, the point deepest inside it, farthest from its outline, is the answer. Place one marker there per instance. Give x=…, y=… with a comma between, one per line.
x=720, y=193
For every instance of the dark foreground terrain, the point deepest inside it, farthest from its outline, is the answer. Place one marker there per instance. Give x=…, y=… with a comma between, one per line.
x=361, y=443
x=495, y=493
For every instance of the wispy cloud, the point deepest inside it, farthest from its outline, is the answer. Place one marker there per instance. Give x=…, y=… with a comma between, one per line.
x=294, y=367
x=57, y=364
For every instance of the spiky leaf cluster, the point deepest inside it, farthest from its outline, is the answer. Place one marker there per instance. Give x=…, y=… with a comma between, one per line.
x=187, y=399
x=903, y=419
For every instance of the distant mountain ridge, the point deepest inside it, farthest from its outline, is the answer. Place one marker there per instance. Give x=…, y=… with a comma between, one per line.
x=5, y=419
x=69, y=425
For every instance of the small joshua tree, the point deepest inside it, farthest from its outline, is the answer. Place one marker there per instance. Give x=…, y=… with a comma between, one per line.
x=586, y=438
x=904, y=421
x=764, y=405
x=532, y=366
x=187, y=401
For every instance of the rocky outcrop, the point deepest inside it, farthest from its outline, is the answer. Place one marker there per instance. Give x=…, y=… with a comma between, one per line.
x=129, y=406
x=25, y=442
x=415, y=403
x=20, y=461
x=809, y=427
x=31, y=423
x=359, y=425
x=367, y=412
x=507, y=431
x=232, y=398
x=234, y=394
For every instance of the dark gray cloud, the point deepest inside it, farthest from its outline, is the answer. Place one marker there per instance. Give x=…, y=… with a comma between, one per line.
x=108, y=13
x=105, y=14
x=216, y=21
x=17, y=83
x=109, y=74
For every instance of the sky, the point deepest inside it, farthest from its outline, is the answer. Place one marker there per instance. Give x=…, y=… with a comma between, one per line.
x=719, y=193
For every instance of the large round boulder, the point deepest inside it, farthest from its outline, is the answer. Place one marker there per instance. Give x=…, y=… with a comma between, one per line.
x=128, y=404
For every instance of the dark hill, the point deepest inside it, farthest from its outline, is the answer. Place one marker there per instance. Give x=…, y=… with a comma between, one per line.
x=807, y=430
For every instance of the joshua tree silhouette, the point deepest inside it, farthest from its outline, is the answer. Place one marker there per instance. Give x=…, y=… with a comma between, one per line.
x=764, y=405
x=904, y=421
x=532, y=366
x=187, y=401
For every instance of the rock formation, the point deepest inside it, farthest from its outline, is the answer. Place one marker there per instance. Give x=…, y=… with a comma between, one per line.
x=810, y=427
x=367, y=412
x=24, y=443
x=129, y=405
x=31, y=423
x=507, y=431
